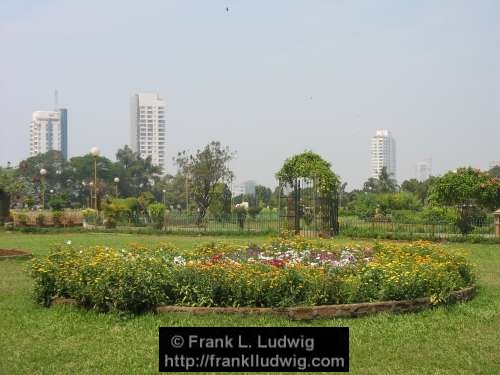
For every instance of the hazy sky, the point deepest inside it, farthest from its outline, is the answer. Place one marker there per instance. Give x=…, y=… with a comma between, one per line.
x=268, y=78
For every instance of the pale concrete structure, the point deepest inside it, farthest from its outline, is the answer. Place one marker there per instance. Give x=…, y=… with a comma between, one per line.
x=383, y=153
x=147, y=127
x=49, y=131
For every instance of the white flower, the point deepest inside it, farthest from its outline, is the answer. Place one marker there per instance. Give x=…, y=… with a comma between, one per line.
x=179, y=260
x=68, y=242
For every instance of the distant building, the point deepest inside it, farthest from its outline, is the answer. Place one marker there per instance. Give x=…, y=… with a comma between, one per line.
x=249, y=187
x=423, y=170
x=238, y=189
x=147, y=127
x=383, y=153
x=244, y=188
x=49, y=131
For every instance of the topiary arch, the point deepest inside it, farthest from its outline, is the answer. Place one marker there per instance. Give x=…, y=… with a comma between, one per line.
x=312, y=205
x=309, y=165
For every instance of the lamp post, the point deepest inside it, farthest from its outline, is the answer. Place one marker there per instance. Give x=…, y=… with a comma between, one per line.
x=116, y=180
x=94, y=151
x=91, y=192
x=84, y=184
x=43, y=172
x=187, y=194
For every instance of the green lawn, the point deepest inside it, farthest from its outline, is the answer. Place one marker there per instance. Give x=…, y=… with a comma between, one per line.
x=460, y=339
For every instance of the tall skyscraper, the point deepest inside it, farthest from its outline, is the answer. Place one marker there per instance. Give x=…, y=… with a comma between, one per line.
x=147, y=127
x=383, y=153
x=49, y=131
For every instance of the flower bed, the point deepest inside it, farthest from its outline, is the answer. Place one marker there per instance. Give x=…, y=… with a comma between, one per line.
x=285, y=272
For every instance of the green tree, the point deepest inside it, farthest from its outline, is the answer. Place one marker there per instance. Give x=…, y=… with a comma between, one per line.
x=205, y=169
x=8, y=185
x=467, y=189
x=220, y=205
x=263, y=196
x=419, y=188
x=136, y=174
x=385, y=183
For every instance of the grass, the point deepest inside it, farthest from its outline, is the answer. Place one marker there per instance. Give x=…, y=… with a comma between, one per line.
x=458, y=339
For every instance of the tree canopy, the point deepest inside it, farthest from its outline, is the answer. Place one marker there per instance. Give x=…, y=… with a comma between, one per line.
x=385, y=183
x=204, y=170
x=466, y=186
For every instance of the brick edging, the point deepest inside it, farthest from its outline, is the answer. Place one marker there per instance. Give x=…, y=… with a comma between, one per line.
x=328, y=311
x=313, y=312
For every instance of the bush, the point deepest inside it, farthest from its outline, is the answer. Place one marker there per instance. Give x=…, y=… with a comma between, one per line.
x=22, y=219
x=438, y=215
x=40, y=219
x=253, y=212
x=157, y=214
x=57, y=203
x=284, y=272
x=102, y=278
x=57, y=217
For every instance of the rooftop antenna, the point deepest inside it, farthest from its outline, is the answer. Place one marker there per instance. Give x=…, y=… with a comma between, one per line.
x=56, y=100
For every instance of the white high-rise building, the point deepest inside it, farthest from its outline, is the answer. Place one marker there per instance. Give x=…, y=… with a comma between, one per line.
x=49, y=131
x=383, y=153
x=147, y=127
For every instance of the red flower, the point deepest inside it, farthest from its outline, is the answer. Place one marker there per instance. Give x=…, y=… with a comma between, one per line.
x=277, y=263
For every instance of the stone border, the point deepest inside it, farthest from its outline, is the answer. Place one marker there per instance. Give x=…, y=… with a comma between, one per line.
x=24, y=254
x=328, y=311
x=314, y=312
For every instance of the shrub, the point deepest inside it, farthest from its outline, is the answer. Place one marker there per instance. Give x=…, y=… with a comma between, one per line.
x=40, y=219
x=57, y=217
x=102, y=278
x=157, y=214
x=22, y=219
x=437, y=215
x=253, y=212
x=57, y=203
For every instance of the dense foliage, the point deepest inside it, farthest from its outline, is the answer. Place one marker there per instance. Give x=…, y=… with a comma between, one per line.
x=10, y=187
x=284, y=272
x=467, y=186
x=204, y=171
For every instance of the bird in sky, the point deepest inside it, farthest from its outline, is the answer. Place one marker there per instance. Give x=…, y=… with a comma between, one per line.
x=227, y=9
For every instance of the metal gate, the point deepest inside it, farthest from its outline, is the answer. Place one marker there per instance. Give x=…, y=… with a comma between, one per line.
x=306, y=211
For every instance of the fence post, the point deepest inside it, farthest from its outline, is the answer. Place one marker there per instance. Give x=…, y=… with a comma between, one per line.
x=496, y=218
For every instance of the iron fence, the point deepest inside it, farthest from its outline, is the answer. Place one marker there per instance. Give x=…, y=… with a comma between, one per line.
x=438, y=229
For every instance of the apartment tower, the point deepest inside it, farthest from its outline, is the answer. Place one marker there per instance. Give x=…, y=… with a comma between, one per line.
x=383, y=153
x=49, y=131
x=147, y=127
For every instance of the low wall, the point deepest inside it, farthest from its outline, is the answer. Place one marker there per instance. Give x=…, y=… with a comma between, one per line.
x=313, y=312
x=328, y=311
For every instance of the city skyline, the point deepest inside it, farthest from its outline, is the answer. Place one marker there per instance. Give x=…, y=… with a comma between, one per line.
x=316, y=77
